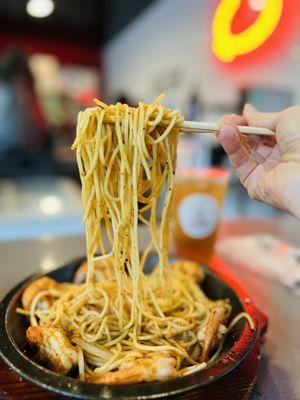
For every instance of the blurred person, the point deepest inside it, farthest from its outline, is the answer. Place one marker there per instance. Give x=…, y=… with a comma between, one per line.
x=124, y=99
x=194, y=151
x=269, y=168
x=195, y=107
x=24, y=139
x=22, y=121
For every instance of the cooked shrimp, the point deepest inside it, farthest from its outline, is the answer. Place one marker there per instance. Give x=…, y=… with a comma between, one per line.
x=100, y=269
x=192, y=269
x=54, y=347
x=158, y=368
x=216, y=318
x=35, y=287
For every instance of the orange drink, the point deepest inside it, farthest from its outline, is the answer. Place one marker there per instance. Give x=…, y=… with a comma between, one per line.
x=197, y=200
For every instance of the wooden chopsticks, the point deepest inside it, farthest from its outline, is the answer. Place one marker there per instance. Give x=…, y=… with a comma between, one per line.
x=208, y=127
x=203, y=127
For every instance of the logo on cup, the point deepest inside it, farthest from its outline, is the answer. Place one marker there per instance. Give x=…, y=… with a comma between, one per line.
x=197, y=215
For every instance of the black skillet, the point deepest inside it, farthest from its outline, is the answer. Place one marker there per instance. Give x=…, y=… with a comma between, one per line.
x=237, y=346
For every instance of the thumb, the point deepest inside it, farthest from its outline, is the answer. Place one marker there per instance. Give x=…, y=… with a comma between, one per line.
x=257, y=118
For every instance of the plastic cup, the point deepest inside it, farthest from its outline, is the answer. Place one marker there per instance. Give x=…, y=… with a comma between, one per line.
x=196, y=206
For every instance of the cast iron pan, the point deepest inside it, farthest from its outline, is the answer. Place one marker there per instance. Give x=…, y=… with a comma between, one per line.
x=13, y=347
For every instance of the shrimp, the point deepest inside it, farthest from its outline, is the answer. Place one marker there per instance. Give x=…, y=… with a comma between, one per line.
x=101, y=267
x=53, y=347
x=192, y=269
x=216, y=318
x=34, y=288
x=158, y=368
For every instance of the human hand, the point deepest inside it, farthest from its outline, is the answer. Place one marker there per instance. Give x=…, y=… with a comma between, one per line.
x=268, y=168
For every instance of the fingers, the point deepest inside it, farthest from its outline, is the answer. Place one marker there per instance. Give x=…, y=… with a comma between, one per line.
x=230, y=139
x=246, y=153
x=240, y=156
x=251, y=156
x=254, y=117
x=233, y=120
x=263, y=145
x=264, y=150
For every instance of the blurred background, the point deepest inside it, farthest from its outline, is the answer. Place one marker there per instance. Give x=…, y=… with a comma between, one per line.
x=57, y=55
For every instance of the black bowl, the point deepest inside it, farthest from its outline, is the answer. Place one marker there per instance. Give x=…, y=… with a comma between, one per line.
x=237, y=346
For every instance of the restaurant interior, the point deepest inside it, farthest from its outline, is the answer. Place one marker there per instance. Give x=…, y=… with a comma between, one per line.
x=56, y=57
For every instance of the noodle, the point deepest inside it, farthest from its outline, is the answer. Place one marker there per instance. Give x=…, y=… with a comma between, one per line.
x=127, y=159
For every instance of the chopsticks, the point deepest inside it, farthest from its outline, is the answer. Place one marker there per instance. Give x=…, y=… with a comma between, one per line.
x=207, y=127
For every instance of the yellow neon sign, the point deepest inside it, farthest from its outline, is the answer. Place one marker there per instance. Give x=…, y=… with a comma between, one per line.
x=226, y=45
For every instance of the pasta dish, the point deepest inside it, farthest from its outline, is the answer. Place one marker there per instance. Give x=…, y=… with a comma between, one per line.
x=115, y=324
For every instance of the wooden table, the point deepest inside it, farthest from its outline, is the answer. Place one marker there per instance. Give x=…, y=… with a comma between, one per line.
x=279, y=377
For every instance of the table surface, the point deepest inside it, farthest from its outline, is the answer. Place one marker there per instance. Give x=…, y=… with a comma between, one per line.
x=279, y=377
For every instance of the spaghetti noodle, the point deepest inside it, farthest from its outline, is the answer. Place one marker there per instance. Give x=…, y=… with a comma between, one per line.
x=127, y=158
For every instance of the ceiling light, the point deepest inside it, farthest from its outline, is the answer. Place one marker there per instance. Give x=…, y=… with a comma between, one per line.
x=257, y=5
x=40, y=8
x=51, y=205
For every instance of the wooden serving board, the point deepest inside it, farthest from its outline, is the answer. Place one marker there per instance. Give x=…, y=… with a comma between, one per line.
x=236, y=385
